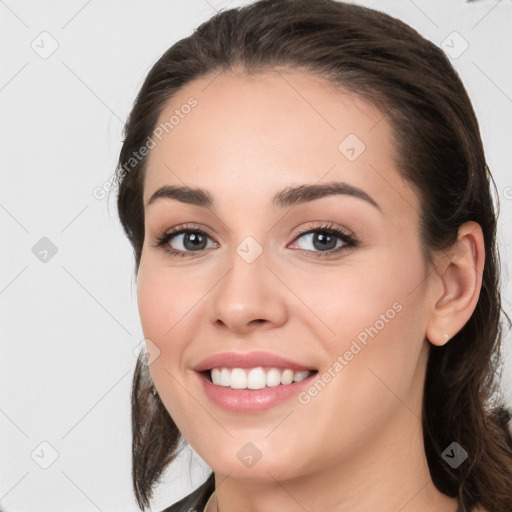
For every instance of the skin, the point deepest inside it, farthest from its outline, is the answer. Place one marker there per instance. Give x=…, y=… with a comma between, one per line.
x=358, y=444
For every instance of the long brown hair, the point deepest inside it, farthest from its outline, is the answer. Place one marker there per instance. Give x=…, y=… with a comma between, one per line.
x=439, y=151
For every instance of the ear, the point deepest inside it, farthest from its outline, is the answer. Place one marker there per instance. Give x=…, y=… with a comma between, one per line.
x=459, y=280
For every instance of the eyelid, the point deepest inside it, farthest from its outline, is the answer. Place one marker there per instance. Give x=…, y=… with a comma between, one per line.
x=324, y=226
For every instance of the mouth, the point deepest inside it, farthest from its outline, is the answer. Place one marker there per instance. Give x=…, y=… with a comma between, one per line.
x=255, y=378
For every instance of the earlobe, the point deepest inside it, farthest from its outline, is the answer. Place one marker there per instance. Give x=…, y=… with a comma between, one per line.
x=461, y=278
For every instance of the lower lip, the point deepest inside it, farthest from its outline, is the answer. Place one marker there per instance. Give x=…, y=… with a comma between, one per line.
x=252, y=400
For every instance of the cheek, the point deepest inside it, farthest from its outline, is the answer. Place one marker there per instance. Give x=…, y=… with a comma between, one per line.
x=375, y=312
x=153, y=300
x=163, y=304
x=165, y=297
x=354, y=296
x=374, y=357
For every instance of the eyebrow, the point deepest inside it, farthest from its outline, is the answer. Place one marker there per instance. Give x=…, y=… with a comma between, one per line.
x=290, y=196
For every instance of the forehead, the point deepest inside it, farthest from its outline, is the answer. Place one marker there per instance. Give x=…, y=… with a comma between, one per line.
x=253, y=134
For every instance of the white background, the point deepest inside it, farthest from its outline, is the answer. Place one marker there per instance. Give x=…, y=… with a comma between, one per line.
x=70, y=325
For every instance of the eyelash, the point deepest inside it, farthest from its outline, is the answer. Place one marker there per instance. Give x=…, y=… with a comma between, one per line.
x=328, y=229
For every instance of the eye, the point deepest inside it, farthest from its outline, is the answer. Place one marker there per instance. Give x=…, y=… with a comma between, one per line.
x=324, y=240
x=188, y=239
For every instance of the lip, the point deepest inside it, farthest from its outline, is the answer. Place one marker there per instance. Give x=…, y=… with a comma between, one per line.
x=249, y=360
x=251, y=400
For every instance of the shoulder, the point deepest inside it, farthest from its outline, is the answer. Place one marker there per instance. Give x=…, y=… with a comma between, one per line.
x=196, y=500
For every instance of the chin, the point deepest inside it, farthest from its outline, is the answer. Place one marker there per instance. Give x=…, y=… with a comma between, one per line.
x=264, y=469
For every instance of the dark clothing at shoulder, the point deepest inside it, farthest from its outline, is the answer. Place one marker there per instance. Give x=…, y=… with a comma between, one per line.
x=196, y=500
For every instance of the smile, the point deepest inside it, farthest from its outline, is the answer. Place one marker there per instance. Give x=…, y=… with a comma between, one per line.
x=255, y=378
x=243, y=399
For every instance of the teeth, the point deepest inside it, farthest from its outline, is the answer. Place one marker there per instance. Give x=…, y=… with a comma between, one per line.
x=255, y=378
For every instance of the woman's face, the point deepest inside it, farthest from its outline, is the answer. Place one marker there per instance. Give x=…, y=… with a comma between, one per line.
x=258, y=273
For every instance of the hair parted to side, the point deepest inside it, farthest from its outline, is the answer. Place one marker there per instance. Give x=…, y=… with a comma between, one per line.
x=438, y=149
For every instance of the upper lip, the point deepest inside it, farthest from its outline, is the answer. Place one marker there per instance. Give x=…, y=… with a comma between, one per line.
x=248, y=360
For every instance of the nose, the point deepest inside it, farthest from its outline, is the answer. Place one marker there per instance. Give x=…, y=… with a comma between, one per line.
x=248, y=297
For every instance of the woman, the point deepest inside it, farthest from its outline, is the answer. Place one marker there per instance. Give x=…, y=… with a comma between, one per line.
x=306, y=192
